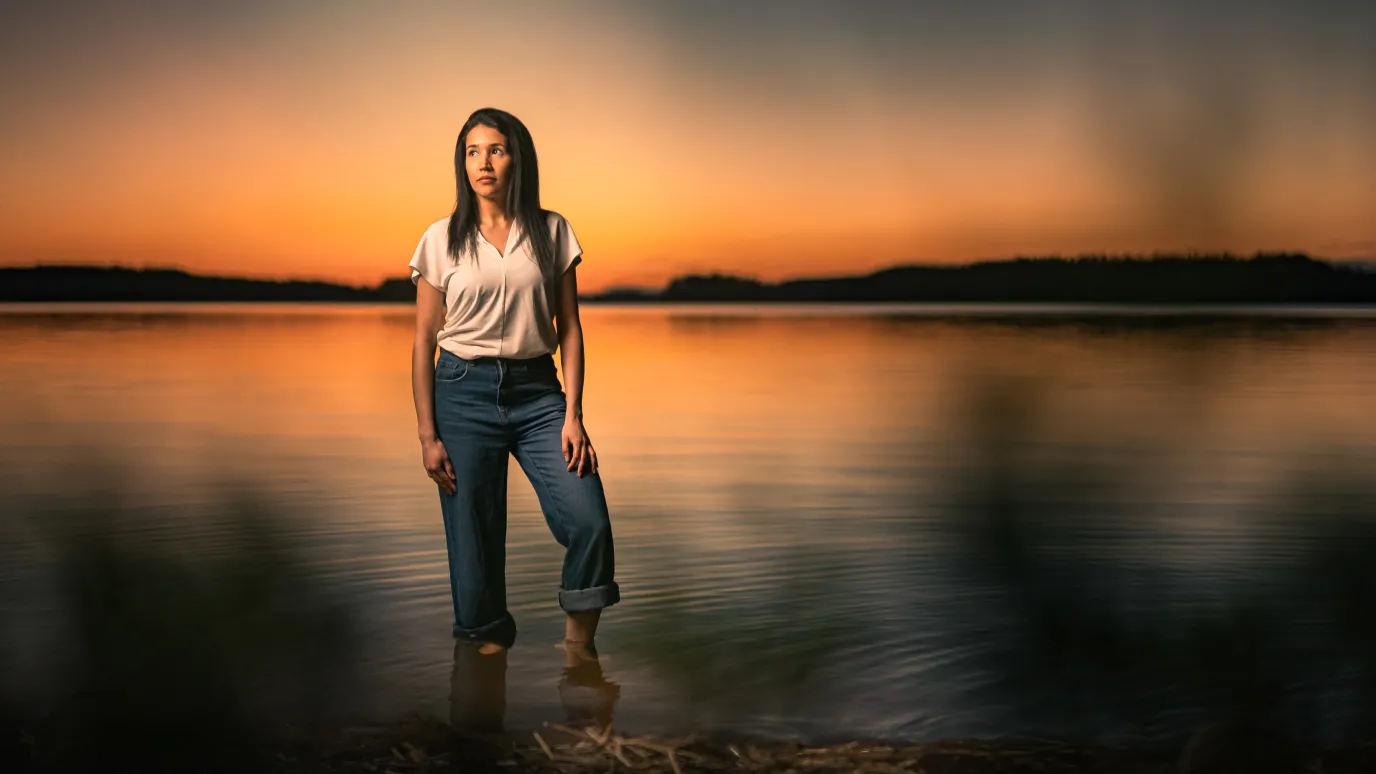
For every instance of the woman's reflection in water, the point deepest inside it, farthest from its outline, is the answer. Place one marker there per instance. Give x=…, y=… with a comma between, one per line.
x=477, y=689
x=588, y=697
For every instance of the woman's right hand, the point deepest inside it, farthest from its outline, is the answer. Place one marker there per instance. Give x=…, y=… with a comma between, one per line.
x=437, y=465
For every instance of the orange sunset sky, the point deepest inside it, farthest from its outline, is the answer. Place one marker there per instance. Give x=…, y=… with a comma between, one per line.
x=771, y=139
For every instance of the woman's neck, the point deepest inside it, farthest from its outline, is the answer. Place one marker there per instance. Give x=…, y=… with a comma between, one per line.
x=492, y=213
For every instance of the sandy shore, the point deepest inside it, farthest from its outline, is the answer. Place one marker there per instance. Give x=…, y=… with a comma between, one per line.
x=420, y=746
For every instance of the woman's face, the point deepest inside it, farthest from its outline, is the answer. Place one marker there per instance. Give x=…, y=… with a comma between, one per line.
x=488, y=161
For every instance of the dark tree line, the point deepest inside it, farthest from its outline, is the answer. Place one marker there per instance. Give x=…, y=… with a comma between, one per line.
x=1264, y=278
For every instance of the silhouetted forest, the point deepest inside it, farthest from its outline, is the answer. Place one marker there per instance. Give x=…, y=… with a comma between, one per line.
x=1222, y=278
x=1265, y=278
x=98, y=283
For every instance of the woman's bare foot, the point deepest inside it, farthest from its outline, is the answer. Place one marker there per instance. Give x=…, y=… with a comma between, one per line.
x=581, y=626
x=578, y=653
x=579, y=630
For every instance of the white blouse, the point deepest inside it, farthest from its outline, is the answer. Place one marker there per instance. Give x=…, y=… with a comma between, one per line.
x=499, y=304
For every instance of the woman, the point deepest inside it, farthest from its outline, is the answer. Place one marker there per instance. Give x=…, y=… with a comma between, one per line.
x=499, y=295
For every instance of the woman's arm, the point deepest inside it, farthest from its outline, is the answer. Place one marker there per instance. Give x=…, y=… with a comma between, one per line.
x=570, y=330
x=578, y=451
x=429, y=320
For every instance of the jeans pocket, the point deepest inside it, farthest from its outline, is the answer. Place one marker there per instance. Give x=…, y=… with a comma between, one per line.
x=451, y=370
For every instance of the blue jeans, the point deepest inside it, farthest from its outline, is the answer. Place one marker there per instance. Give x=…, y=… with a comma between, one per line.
x=486, y=409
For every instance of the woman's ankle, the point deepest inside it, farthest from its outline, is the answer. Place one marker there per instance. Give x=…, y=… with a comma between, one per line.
x=581, y=626
x=577, y=652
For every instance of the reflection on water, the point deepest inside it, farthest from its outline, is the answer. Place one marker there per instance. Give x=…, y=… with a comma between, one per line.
x=589, y=698
x=829, y=523
x=477, y=691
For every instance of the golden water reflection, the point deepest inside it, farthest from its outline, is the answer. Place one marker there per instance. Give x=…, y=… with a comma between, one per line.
x=775, y=478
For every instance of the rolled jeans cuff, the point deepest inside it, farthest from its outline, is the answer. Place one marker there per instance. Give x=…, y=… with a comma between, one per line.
x=595, y=598
x=501, y=631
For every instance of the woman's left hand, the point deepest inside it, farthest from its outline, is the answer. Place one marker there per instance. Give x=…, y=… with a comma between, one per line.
x=578, y=452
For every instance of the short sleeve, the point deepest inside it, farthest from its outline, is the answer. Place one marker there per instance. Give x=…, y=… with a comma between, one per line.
x=566, y=246
x=428, y=260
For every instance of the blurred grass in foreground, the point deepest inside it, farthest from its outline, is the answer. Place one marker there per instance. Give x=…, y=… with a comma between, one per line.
x=171, y=657
x=1088, y=616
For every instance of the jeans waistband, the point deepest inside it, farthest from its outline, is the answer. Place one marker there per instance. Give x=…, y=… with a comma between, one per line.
x=510, y=361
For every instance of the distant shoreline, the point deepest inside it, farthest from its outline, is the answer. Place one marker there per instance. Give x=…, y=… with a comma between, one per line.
x=1277, y=278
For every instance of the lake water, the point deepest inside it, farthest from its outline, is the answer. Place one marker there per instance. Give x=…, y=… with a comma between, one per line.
x=897, y=522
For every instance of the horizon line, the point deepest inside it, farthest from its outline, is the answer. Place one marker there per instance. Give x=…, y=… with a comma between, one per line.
x=715, y=273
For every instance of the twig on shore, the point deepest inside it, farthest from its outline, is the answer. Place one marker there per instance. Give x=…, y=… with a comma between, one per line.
x=612, y=744
x=544, y=745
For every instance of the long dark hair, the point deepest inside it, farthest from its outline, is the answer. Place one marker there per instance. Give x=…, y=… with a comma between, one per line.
x=522, y=191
